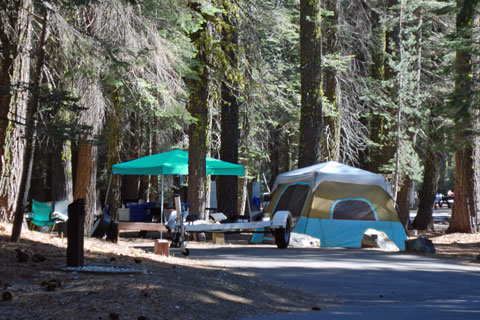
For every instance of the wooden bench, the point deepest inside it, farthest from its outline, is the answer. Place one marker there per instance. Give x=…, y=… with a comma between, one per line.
x=139, y=226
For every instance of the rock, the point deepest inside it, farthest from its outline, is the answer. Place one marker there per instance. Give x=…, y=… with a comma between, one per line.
x=38, y=258
x=58, y=283
x=420, y=244
x=377, y=239
x=21, y=256
x=52, y=286
x=113, y=316
x=7, y=296
x=303, y=240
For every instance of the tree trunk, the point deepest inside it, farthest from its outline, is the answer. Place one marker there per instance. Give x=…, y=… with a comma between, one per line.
x=13, y=157
x=400, y=93
x=372, y=157
x=331, y=120
x=39, y=190
x=392, y=43
x=197, y=130
x=9, y=45
x=227, y=186
x=311, y=125
x=86, y=170
x=131, y=183
x=287, y=151
x=402, y=202
x=154, y=150
x=61, y=172
x=113, y=157
x=431, y=176
x=227, y=190
x=476, y=169
x=85, y=182
x=274, y=154
x=30, y=133
x=463, y=212
x=476, y=139
x=197, y=149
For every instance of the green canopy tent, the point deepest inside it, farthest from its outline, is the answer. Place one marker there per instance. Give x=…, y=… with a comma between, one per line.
x=173, y=162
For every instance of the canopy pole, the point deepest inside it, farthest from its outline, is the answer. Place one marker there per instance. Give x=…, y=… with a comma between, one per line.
x=161, y=207
x=108, y=188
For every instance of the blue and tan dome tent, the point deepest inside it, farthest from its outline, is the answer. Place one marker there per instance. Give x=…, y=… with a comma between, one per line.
x=337, y=203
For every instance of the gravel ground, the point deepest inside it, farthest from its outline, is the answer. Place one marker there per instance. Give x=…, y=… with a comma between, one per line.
x=33, y=285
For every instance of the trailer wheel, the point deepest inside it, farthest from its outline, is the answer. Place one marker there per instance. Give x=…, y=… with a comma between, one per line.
x=282, y=236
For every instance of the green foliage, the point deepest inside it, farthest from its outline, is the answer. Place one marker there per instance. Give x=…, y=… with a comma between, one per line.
x=142, y=56
x=417, y=83
x=272, y=101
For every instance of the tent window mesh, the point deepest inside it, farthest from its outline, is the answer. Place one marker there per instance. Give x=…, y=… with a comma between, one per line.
x=353, y=210
x=293, y=199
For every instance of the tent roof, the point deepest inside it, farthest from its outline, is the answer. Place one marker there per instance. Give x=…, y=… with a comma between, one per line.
x=332, y=171
x=174, y=162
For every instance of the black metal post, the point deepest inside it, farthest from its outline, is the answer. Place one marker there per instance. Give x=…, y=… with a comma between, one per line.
x=75, y=229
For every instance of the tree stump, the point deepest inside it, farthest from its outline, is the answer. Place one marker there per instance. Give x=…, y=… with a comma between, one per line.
x=161, y=247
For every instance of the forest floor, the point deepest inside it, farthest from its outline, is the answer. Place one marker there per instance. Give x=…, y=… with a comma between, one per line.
x=169, y=288
x=166, y=287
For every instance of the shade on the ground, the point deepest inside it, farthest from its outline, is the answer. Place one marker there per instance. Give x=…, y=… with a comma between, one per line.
x=174, y=162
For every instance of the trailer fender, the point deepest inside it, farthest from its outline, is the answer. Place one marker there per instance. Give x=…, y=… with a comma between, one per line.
x=281, y=218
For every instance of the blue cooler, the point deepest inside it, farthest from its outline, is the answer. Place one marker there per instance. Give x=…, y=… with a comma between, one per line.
x=141, y=212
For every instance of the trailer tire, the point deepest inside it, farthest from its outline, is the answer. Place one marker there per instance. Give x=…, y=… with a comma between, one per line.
x=282, y=236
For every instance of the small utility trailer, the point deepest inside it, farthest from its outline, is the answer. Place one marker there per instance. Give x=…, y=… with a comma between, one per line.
x=280, y=225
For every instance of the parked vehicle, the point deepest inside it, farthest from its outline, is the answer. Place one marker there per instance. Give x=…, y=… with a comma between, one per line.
x=448, y=201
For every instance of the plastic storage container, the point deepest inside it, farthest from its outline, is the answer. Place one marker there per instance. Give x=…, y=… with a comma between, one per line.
x=141, y=212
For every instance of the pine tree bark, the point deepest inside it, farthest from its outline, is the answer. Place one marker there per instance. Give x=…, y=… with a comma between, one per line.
x=197, y=147
x=463, y=213
x=198, y=105
x=154, y=196
x=476, y=139
x=331, y=120
x=131, y=183
x=274, y=154
x=9, y=46
x=227, y=186
x=13, y=157
x=402, y=202
x=113, y=157
x=311, y=125
x=61, y=172
x=86, y=170
x=30, y=131
x=85, y=182
x=431, y=177
x=392, y=44
x=371, y=158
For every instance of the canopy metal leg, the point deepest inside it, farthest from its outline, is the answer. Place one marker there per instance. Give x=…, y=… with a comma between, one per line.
x=161, y=206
